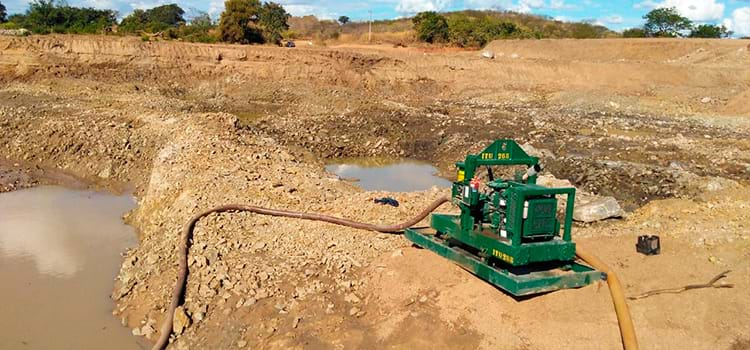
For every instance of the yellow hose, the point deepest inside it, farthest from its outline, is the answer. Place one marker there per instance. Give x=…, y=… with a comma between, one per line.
x=627, y=331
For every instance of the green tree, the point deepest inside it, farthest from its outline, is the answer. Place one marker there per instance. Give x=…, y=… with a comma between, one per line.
x=431, y=27
x=710, y=31
x=273, y=22
x=153, y=20
x=239, y=22
x=166, y=15
x=3, y=14
x=666, y=22
x=634, y=33
x=49, y=16
x=344, y=20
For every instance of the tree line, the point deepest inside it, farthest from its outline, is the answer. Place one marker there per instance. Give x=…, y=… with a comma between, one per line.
x=243, y=21
x=477, y=28
x=253, y=21
x=669, y=23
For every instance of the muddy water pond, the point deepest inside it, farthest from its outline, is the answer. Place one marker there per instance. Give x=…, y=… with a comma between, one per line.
x=388, y=175
x=59, y=254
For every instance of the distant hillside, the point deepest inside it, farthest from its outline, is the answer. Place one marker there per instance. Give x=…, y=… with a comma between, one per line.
x=402, y=30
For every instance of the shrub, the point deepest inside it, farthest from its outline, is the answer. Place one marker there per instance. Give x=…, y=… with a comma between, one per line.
x=431, y=27
x=634, y=33
x=710, y=31
x=466, y=31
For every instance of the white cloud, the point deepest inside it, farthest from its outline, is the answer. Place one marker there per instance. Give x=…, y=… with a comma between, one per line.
x=215, y=8
x=526, y=6
x=147, y=4
x=488, y=4
x=560, y=4
x=100, y=4
x=414, y=6
x=523, y=6
x=304, y=10
x=740, y=21
x=614, y=19
x=696, y=10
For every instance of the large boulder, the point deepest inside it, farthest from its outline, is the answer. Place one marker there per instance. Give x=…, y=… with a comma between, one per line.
x=597, y=208
x=588, y=207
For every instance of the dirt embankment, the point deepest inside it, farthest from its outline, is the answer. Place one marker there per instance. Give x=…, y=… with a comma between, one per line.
x=192, y=126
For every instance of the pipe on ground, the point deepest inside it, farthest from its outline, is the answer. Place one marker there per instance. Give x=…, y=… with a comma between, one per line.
x=187, y=233
x=623, y=316
x=627, y=331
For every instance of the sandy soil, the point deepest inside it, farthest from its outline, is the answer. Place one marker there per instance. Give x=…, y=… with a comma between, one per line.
x=661, y=125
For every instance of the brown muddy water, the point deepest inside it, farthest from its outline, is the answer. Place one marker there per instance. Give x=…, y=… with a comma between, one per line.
x=372, y=174
x=59, y=254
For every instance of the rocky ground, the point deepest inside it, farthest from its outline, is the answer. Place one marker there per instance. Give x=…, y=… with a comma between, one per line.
x=186, y=127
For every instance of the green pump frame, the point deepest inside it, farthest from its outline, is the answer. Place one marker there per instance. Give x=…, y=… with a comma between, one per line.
x=525, y=253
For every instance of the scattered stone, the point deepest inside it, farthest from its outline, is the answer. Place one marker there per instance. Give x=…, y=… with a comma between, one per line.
x=352, y=298
x=706, y=100
x=147, y=331
x=489, y=54
x=180, y=321
x=353, y=311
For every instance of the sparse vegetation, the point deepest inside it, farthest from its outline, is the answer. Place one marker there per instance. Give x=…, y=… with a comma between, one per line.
x=466, y=31
x=200, y=29
x=312, y=28
x=477, y=28
x=50, y=16
x=464, y=28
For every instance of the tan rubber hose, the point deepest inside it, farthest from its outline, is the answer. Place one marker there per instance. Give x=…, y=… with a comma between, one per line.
x=187, y=233
x=627, y=331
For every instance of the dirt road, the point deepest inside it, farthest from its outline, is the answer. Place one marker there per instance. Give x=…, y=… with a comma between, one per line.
x=662, y=125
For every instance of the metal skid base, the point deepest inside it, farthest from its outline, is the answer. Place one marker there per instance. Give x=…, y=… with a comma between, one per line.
x=518, y=281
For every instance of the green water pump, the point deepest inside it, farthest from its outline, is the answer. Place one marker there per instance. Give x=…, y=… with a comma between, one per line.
x=509, y=232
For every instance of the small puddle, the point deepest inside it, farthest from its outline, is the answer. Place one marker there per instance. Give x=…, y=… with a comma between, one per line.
x=374, y=174
x=59, y=254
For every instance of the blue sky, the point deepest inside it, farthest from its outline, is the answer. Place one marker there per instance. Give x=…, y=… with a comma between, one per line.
x=615, y=14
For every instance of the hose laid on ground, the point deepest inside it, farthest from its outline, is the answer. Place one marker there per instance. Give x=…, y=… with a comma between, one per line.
x=187, y=233
x=627, y=331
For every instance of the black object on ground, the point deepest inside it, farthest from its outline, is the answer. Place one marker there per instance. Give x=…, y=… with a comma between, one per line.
x=387, y=200
x=648, y=245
